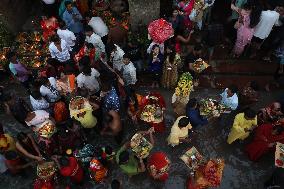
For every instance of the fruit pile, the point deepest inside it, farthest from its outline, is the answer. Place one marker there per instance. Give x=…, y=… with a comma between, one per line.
x=185, y=85
x=140, y=146
x=46, y=170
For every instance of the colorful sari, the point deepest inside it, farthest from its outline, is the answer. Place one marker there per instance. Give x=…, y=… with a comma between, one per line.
x=73, y=170
x=260, y=145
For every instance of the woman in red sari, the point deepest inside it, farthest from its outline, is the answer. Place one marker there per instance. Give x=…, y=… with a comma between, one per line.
x=186, y=6
x=158, y=100
x=69, y=167
x=265, y=140
x=158, y=166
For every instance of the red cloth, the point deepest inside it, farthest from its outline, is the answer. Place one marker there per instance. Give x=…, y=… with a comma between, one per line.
x=60, y=112
x=73, y=170
x=43, y=184
x=49, y=27
x=258, y=147
x=83, y=52
x=160, y=161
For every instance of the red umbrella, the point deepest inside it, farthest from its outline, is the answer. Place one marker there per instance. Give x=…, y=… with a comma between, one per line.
x=160, y=30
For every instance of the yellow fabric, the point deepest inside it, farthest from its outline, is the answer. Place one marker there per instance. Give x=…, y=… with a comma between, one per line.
x=88, y=120
x=240, y=123
x=178, y=133
x=7, y=143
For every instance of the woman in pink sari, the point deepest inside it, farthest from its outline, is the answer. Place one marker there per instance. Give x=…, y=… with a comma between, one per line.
x=249, y=17
x=265, y=140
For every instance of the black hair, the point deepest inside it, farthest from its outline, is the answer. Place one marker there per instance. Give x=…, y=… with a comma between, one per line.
x=250, y=113
x=35, y=93
x=279, y=129
x=192, y=103
x=172, y=54
x=10, y=54
x=10, y=155
x=21, y=136
x=87, y=70
x=108, y=150
x=107, y=84
x=44, y=80
x=154, y=46
x=68, y=69
x=183, y=122
x=89, y=45
x=255, y=13
x=64, y=161
x=233, y=88
x=197, y=47
x=67, y=3
x=254, y=85
x=127, y=55
x=62, y=24
x=89, y=29
x=52, y=61
x=115, y=184
x=55, y=39
x=123, y=157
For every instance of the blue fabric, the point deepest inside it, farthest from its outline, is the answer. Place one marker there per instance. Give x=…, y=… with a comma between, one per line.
x=156, y=67
x=195, y=118
x=111, y=101
x=73, y=25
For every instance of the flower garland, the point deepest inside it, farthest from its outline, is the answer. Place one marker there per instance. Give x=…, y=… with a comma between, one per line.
x=185, y=85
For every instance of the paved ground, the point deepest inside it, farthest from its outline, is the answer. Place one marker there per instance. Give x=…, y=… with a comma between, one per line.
x=239, y=172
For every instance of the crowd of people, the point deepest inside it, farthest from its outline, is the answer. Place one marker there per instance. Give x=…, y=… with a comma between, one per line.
x=89, y=87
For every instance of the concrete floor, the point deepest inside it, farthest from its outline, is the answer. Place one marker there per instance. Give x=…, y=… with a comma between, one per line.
x=210, y=140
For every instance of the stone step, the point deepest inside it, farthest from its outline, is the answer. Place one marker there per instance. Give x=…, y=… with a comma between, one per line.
x=223, y=81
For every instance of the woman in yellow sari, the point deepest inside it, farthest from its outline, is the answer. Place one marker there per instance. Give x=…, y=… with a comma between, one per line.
x=244, y=123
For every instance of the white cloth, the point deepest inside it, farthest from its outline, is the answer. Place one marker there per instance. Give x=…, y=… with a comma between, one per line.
x=96, y=41
x=162, y=47
x=51, y=93
x=117, y=57
x=98, y=26
x=41, y=104
x=129, y=74
x=89, y=82
x=268, y=19
x=48, y=2
x=62, y=56
x=67, y=36
x=40, y=117
x=230, y=102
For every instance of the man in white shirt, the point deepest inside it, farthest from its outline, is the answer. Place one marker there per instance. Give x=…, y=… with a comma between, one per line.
x=48, y=89
x=128, y=71
x=94, y=39
x=229, y=97
x=50, y=8
x=100, y=28
x=268, y=20
x=116, y=56
x=59, y=49
x=89, y=79
x=66, y=34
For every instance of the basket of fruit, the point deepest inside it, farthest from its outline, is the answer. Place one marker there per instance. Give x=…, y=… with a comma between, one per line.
x=210, y=107
x=200, y=65
x=47, y=129
x=140, y=146
x=279, y=155
x=192, y=158
x=152, y=113
x=46, y=170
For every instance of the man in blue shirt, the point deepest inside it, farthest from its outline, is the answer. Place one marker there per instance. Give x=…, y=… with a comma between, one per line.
x=72, y=18
x=193, y=113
